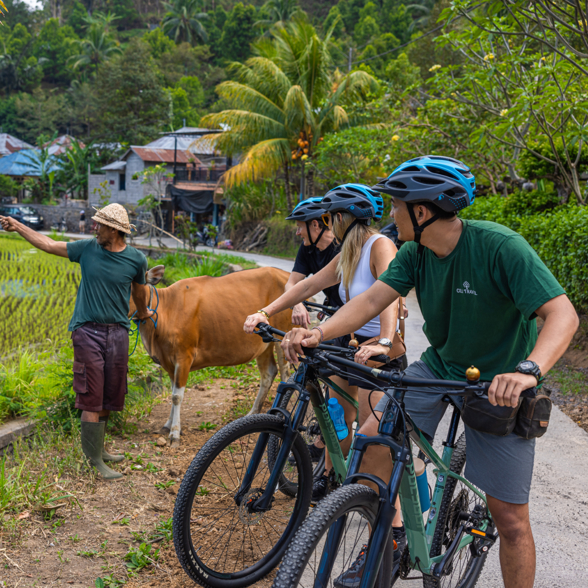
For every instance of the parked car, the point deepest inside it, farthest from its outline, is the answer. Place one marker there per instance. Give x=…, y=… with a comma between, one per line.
x=27, y=215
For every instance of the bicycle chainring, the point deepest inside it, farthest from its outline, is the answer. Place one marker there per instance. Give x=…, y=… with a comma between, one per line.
x=404, y=564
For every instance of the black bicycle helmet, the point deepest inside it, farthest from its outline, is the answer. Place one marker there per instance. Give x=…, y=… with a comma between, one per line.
x=446, y=182
x=307, y=211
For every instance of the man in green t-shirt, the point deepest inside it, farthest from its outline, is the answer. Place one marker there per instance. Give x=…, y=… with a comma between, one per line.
x=480, y=287
x=111, y=272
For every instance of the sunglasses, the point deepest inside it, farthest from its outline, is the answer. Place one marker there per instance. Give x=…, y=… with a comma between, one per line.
x=326, y=218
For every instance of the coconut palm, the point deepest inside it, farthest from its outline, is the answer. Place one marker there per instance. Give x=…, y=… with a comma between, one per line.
x=182, y=21
x=96, y=48
x=284, y=100
x=102, y=20
x=279, y=11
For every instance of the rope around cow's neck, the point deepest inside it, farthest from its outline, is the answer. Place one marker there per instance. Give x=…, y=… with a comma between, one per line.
x=139, y=322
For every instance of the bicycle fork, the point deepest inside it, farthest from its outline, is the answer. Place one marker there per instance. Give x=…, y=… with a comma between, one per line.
x=291, y=426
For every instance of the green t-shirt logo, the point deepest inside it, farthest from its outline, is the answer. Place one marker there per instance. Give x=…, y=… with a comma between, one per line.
x=466, y=289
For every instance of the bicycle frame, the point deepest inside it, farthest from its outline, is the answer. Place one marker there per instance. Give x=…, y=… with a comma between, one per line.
x=308, y=390
x=402, y=483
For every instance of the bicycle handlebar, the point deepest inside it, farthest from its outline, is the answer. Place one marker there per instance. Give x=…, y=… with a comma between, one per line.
x=330, y=310
x=264, y=330
x=396, y=378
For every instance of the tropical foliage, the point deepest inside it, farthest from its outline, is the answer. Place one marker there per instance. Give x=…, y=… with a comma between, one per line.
x=284, y=97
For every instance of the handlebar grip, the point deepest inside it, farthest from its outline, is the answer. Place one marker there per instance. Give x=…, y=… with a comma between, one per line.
x=380, y=358
x=528, y=393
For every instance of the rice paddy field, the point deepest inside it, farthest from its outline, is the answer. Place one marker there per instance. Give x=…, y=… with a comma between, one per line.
x=37, y=296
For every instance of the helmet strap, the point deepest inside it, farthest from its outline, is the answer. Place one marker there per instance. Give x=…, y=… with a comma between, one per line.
x=418, y=229
x=313, y=244
x=355, y=222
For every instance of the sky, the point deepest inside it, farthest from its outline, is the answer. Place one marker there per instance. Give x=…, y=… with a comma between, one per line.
x=33, y=3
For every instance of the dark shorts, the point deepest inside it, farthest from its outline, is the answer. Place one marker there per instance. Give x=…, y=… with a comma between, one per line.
x=500, y=466
x=357, y=378
x=101, y=357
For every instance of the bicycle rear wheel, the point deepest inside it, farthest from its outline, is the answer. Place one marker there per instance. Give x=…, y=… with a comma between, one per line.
x=314, y=558
x=311, y=433
x=458, y=502
x=220, y=542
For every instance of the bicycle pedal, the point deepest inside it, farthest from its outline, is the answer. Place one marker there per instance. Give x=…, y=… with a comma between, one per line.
x=482, y=534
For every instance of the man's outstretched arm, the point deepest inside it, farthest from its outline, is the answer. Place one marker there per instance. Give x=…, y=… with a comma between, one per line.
x=42, y=242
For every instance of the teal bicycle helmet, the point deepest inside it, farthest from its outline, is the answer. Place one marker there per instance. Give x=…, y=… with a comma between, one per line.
x=446, y=182
x=307, y=211
x=361, y=201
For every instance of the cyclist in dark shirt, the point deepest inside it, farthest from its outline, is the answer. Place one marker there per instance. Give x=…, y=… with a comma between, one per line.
x=316, y=251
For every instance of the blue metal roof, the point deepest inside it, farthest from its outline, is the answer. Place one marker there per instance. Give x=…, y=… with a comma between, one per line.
x=22, y=163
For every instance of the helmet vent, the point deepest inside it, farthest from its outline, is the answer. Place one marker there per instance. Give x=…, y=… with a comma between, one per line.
x=442, y=172
x=428, y=181
x=411, y=168
x=396, y=184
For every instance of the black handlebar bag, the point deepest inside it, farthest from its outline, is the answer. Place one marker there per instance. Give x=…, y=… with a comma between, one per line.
x=478, y=414
x=533, y=417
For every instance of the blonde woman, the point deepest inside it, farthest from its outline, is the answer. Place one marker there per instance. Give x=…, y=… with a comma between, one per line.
x=365, y=254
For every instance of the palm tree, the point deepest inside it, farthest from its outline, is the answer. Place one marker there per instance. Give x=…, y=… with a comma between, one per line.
x=421, y=13
x=101, y=20
x=279, y=12
x=96, y=48
x=182, y=21
x=284, y=100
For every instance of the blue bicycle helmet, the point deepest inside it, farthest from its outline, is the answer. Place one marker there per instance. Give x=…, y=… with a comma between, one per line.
x=446, y=182
x=362, y=202
x=307, y=211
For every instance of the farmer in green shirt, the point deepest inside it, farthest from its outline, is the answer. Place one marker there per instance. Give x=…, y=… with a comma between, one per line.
x=111, y=272
x=480, y=287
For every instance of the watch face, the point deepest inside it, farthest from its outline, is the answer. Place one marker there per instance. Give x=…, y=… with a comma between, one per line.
x=385, y=341
x=526, y=365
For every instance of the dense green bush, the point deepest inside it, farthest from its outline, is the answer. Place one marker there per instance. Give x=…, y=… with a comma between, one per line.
x=281, y=237
x=558, y=235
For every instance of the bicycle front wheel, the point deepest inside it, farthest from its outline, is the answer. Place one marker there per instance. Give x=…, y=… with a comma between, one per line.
x=459, y=504
x=332, y=539
x=219, y=540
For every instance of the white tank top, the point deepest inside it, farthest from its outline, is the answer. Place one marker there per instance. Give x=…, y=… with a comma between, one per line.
x=362, y=280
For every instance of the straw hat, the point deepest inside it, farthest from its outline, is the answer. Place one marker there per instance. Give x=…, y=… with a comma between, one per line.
x=115, y=216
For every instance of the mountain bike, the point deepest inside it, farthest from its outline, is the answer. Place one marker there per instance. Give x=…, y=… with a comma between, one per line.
x=448, y=548
x=249, y=487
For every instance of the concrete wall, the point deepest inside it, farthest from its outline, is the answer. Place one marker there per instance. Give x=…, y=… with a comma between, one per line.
x=94, y=188
x=71, y=213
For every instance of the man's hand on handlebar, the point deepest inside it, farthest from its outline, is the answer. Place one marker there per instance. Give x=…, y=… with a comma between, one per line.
x=300, y=316
x=253, y=320
x=296, y=340
x=506, y=388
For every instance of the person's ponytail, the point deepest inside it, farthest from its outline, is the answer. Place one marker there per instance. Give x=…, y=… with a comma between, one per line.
x=351, y=248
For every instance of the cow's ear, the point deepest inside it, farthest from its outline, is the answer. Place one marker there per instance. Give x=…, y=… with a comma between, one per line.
x=155, y=274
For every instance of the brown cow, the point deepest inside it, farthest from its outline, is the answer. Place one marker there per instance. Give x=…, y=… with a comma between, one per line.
x=200, y=324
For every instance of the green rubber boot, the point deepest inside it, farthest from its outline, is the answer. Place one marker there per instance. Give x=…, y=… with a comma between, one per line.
x=105, y=455
x=92, y=444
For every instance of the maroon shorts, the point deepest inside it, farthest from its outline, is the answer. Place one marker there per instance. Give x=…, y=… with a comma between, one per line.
x=101, y=358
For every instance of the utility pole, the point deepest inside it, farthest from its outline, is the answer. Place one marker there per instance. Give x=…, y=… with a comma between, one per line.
x=350, y=58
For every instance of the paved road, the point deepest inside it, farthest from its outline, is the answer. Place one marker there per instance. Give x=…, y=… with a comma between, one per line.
x=559, y=497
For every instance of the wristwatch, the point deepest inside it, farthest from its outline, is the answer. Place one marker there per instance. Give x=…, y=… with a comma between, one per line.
x=530, y=368
x=385, y=342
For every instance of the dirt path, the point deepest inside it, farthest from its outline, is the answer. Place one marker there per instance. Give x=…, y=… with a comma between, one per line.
x=80, y=545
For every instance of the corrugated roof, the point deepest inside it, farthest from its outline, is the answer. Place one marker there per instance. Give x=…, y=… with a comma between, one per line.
x=10, y=144
x=22, y=163
x=61, y=144
x=184, y=143
x=114, y=166
x=165, y=155
x=207, y=187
